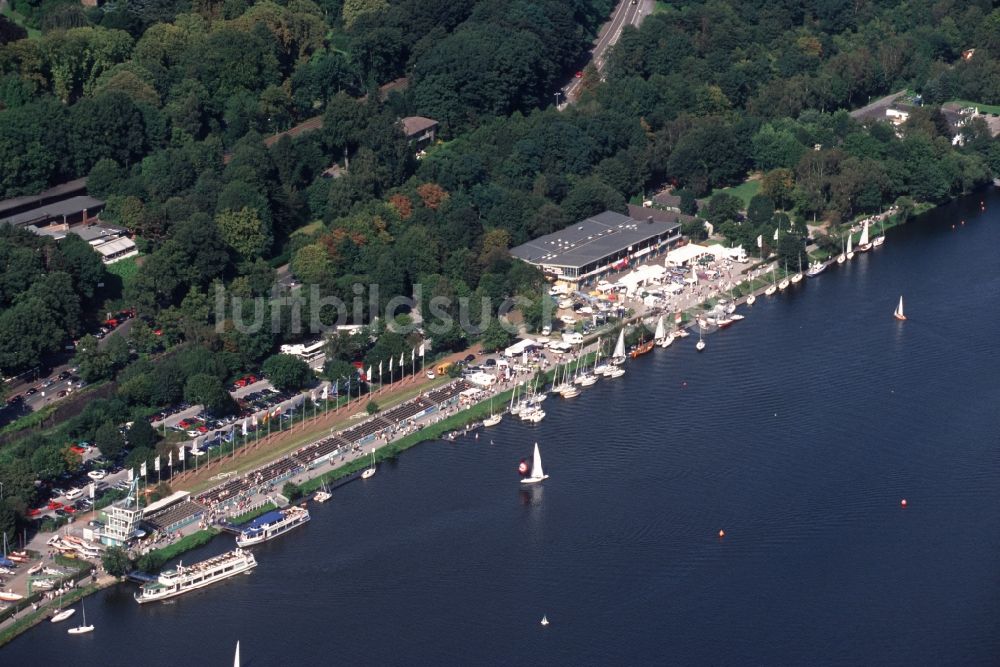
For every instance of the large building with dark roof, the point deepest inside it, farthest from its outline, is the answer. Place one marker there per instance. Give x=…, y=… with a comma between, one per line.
x=601, y=243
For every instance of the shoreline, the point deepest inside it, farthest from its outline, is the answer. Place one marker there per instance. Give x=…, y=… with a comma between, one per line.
x=461, y=419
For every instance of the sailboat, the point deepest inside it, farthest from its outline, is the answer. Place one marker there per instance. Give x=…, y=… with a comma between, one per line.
x=369, y=471
x=660, y=332
x=323, y=494
x=783, y=283
x=494, y=417
x=880, y=239
x=700, y=345
x=798, y=276
x=618, y=356
x=567, y=389
x=773, y=287
x=864, y=245
x=898, y=313
x=842, y=257
x=588, y=378
x=816, y=268
x=545, y=619
x=537, y=474
x=599, y=368
x=83, y=628
x=236, y=660
x=63, y=614
x=850, y=239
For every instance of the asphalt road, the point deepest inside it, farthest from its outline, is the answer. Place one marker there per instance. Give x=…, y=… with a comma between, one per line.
x=625, y=14
x=877, y=108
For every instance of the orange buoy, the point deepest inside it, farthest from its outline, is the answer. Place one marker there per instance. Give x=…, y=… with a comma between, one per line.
x=903, y=502
x=722, y=533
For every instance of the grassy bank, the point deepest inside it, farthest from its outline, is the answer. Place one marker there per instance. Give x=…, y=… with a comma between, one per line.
x=29, y=620
x=253, y=514
x=155, y=559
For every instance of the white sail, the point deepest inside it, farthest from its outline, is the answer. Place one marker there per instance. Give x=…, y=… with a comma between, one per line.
x=899, y=309
x=536, y=465
x=620, y=346
x=864, y=235
x=850, y=238
x=236, y=661
x=661, y=332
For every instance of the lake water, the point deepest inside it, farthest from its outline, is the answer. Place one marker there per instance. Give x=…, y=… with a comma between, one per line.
x=798, y=431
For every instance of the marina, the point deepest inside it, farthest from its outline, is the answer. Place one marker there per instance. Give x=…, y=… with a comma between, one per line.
x=645, y=472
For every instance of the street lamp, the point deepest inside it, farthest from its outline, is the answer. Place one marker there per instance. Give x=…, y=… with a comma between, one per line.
x=557, y=94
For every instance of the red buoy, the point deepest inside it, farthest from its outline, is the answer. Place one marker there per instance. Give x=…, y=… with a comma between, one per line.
x=903, y=502
x=522, y=468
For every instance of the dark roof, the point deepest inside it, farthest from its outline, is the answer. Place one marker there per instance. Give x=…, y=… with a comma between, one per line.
x=413, y=125
x=590, y=240
x=54, y=211
x=9, y=207
x=641, y=213
x=666, y=199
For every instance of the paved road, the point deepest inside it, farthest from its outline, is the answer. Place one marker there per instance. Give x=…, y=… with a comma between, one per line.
x=626, y=13
x=877, y=108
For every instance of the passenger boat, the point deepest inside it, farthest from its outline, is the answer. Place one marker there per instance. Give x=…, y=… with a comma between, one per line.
x=183, y=579
x=271, y=525
x=815, y=269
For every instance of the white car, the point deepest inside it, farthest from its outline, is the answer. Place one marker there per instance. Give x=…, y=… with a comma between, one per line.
x=430, y=375
x=97, y=474
x=73, y=494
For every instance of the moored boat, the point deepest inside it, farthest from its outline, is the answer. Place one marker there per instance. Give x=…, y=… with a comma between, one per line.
x=816, y=268
x=183, y=579
x=864, y=245
x=63, y=615
x=271, y=525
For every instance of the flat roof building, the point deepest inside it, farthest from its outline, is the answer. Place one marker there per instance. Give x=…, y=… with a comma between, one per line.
x=601, y=243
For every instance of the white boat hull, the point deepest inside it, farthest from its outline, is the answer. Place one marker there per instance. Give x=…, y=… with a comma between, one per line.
x=322, y=496
x=666, y=342
x=368, y=473
x=492, y=420
x=275, y=530
x=63, y=615
x=81, y=630
x=751, y=299
x=534, y=480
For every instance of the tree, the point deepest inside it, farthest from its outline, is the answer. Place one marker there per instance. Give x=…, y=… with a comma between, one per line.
x=94, y=363
x=311, y=264
x=722, y=207
x=287, y=372
x=142, y=434
x=109, y=440
x=244, y=232
x=115, y=561
x=207, y=390
x=371, y=408
x=495, y=337
x=760, y=211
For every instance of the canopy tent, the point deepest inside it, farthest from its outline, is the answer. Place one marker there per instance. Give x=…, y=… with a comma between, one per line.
x=641, y=276
x=737, y=253
x=519, y=347
x=684, y=254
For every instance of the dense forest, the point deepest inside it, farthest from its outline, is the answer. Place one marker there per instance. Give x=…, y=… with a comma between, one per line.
x=165, y=107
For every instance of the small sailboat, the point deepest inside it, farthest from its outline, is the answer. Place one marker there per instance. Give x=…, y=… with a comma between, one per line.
x=236, y=660
x=898, y=313
x=880, y=239
x=494, y=417
x=700, y=345
x=773, y=287
x=815, y=269
x=618, y=356
x=798, y=276
x=864, y=245
x=83, y=628
x=661, y=333
x=545, y=619
x=783, y=283
x=63, y=614
x=369, y=471
x=537, y=474
x=323, y=494
x=850, y=239
x=842, y=257
x=751, y=299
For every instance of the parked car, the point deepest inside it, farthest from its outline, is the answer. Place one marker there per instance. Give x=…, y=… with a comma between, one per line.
x=97, y=474
x=469, y=358
x=73, y=494
x=31, y=392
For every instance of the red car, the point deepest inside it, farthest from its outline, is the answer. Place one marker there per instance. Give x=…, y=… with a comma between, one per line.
x=184, y=423
x=579, y=75
x=35, y=511
x=53, y=505
x=78, y=449
x=70, y=509
x=203, y=429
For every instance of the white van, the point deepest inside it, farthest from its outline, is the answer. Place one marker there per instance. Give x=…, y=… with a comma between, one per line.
x=572, y=338
x=73, y=494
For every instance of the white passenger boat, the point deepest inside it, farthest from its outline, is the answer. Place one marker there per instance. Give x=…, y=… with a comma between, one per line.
x=271, y=525
x=185, y=578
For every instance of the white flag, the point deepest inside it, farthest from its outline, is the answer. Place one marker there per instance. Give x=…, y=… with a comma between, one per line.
x=246, y=427
x=180, y=454
x=413, y=356
x=401, y=361
x=775, y=233
x=390, y=365
x=142, y=469
x=379, y=371
x=760, y=241
x=91, y=490
x=326, y=392
x=253, y=420
x=421, y=348
x=131, y=474
x=368, y=375
x=156, y=463
x=170, y=459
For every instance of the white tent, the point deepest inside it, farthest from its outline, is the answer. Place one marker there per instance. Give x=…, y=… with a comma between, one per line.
x=520, y=347
x=684, y=254
x=737, y=253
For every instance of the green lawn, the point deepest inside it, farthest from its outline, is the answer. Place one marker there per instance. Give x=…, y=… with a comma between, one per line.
x=983, y=108
x=18, y=19
x=744, y=191
x=126, y=269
